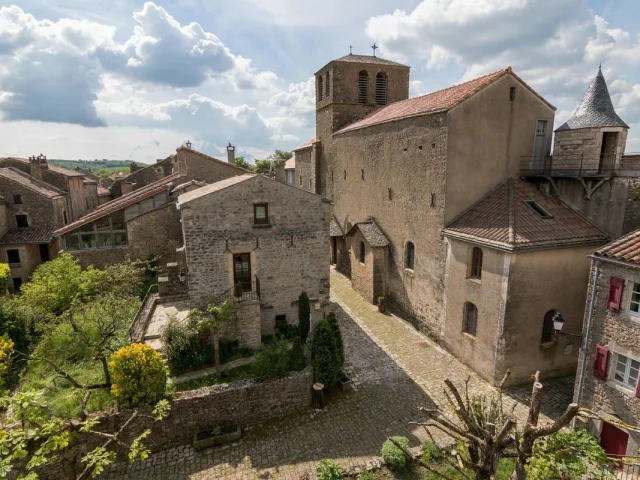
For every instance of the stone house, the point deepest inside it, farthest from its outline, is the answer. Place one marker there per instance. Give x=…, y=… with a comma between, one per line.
x=268, y=236
x=515, y=259
x=413, y=166
x=81, y=192
x=29, y=213
x=608, y=381
x=290, y=171
x=144, y=222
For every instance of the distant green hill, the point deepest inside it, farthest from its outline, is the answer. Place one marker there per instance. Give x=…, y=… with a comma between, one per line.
x=95, y=166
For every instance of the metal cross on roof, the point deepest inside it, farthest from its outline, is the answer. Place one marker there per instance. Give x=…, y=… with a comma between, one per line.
x=350, y=48
x=375, y=47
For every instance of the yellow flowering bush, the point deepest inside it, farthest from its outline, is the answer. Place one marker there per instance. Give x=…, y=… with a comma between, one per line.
x=138, y=375
x=6, y=347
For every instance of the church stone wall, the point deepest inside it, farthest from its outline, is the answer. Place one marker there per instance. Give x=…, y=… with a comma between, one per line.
x=403, y=190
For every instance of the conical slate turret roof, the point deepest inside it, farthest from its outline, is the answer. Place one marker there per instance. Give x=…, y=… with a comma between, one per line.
x=596, y=109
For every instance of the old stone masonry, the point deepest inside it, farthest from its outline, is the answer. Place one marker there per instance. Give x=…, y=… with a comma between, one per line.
x=395, y=370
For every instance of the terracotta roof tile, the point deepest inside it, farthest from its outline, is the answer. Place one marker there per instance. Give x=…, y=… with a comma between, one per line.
x=503, y=219
x=626, y=249
x=31, y=183
x=122, y=202
x=24, y=236
x=306, y=144
x=371, y=232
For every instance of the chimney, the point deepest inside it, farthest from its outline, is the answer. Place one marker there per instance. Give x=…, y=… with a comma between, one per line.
x=279, y=168
x=231, y=154
x=37, y=165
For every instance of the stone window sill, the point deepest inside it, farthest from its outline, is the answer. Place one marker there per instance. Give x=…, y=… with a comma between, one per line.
x=93, y=249
x=469, y=336
x=474, y=280
x=547, y=345
x=409, y=272
x=622, y=389
x=262, y=225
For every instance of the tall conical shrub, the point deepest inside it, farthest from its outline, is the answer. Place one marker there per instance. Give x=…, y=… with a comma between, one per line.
x=337, y=335
x=304, y=316
x=297, y=361
x=326, y=361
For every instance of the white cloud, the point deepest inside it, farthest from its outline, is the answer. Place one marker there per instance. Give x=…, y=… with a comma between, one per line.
x=298, y=101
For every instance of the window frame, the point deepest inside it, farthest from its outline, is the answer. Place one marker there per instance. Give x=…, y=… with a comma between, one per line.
x=630, y=301
x=17, y=199
x=409, y=253
x=475, y=265
x=17, y=250
x=547, y=326
x=465, y=319
x=626, y=374
x=26, y=219
x=261, y=221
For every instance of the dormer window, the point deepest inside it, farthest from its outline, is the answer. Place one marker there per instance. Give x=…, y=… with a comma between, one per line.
x=536, y=207
x=261, y=213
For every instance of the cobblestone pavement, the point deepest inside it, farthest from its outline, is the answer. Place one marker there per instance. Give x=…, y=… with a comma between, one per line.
x=394, y=369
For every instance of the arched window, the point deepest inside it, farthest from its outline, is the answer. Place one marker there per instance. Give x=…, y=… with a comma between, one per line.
x=470, y=320
x=320, y=92
x=328, y=90
x=381, y=89
x=547, y=327
x=476, y=263
x=409, y=255
x=363, y=87
x=362, y=252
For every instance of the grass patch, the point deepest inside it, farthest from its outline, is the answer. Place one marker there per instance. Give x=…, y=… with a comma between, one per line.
x=244, y=372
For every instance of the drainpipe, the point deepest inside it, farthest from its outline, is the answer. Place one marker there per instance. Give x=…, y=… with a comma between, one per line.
x=585, y=340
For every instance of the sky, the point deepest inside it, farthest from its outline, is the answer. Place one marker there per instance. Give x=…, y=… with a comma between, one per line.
x=124, y=79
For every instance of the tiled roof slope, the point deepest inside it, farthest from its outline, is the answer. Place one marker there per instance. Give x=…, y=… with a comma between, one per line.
x=435, y=102
x=122, y=202
x=290, y=164
x=306, y=144
x=24, y=236
x=371, y=232
x=626, y=249
x=334, y=228
x=31, y=183
x=214, y=187
x=503, y=220
x=595, y=110
x=54, y=168
x=351, y=58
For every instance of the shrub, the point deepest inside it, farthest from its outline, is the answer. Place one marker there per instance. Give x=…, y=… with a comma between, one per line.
x=288, y=332
x=5, y=277
x=394, y=457
x=324, y=353
x=365, y=475
x=335, y=329
x=304, y=316
x=328, y=470
x=138, y=375
x=297, y=361
x=14, y=324
x=272, y=361
x=431, y=452
x=6, y=349
x=185, y=347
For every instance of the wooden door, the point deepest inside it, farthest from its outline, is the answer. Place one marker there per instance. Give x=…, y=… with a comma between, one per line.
x=242, y=270
x=613, y=440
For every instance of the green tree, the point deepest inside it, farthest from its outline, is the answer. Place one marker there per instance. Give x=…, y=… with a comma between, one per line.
x=272, y=361
x=139, y=375
x=297, y=360
x=281, y=155
x=211, y=320
x=13, y=322
x=324, y=354
x=304, y=316
x=335, y=328
x=241, y=162
x=262, y=166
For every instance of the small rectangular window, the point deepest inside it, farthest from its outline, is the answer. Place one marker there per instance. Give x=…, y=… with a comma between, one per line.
x=362, y=173
x=17, y=199
x=22, y=221
x=64, y=216
x=13, y=256
x=541, y=127
x=300, y=180
x=261, y=213
x=634, y=304
x=626, y=372
x=512, y=94
x=345, y=174
x=536, y=207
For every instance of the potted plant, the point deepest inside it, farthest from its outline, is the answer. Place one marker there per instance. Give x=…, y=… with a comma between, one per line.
x=382, y=304
x=237, y=291
x=218, y=435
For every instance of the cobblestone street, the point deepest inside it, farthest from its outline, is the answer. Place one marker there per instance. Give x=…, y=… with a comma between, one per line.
x=395, y=369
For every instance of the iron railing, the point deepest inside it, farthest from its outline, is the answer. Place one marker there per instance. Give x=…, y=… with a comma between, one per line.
x=581, y=165
x=136, y=329
x=229, y=295
x=627, y=468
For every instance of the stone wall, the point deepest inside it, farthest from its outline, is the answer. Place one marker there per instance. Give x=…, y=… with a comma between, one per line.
x=632, y=208
x=305, y=176
x=29, y=260
x=40, y=210
x=618, y=331
x=245, y=326
x=157, y=232
x=101, y=257
x=151, y=173
x=198, y=166
x=288, y=256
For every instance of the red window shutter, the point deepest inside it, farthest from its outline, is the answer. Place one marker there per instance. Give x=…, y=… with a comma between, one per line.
x=638, y=389
x=616, y=286
x=600, y=364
